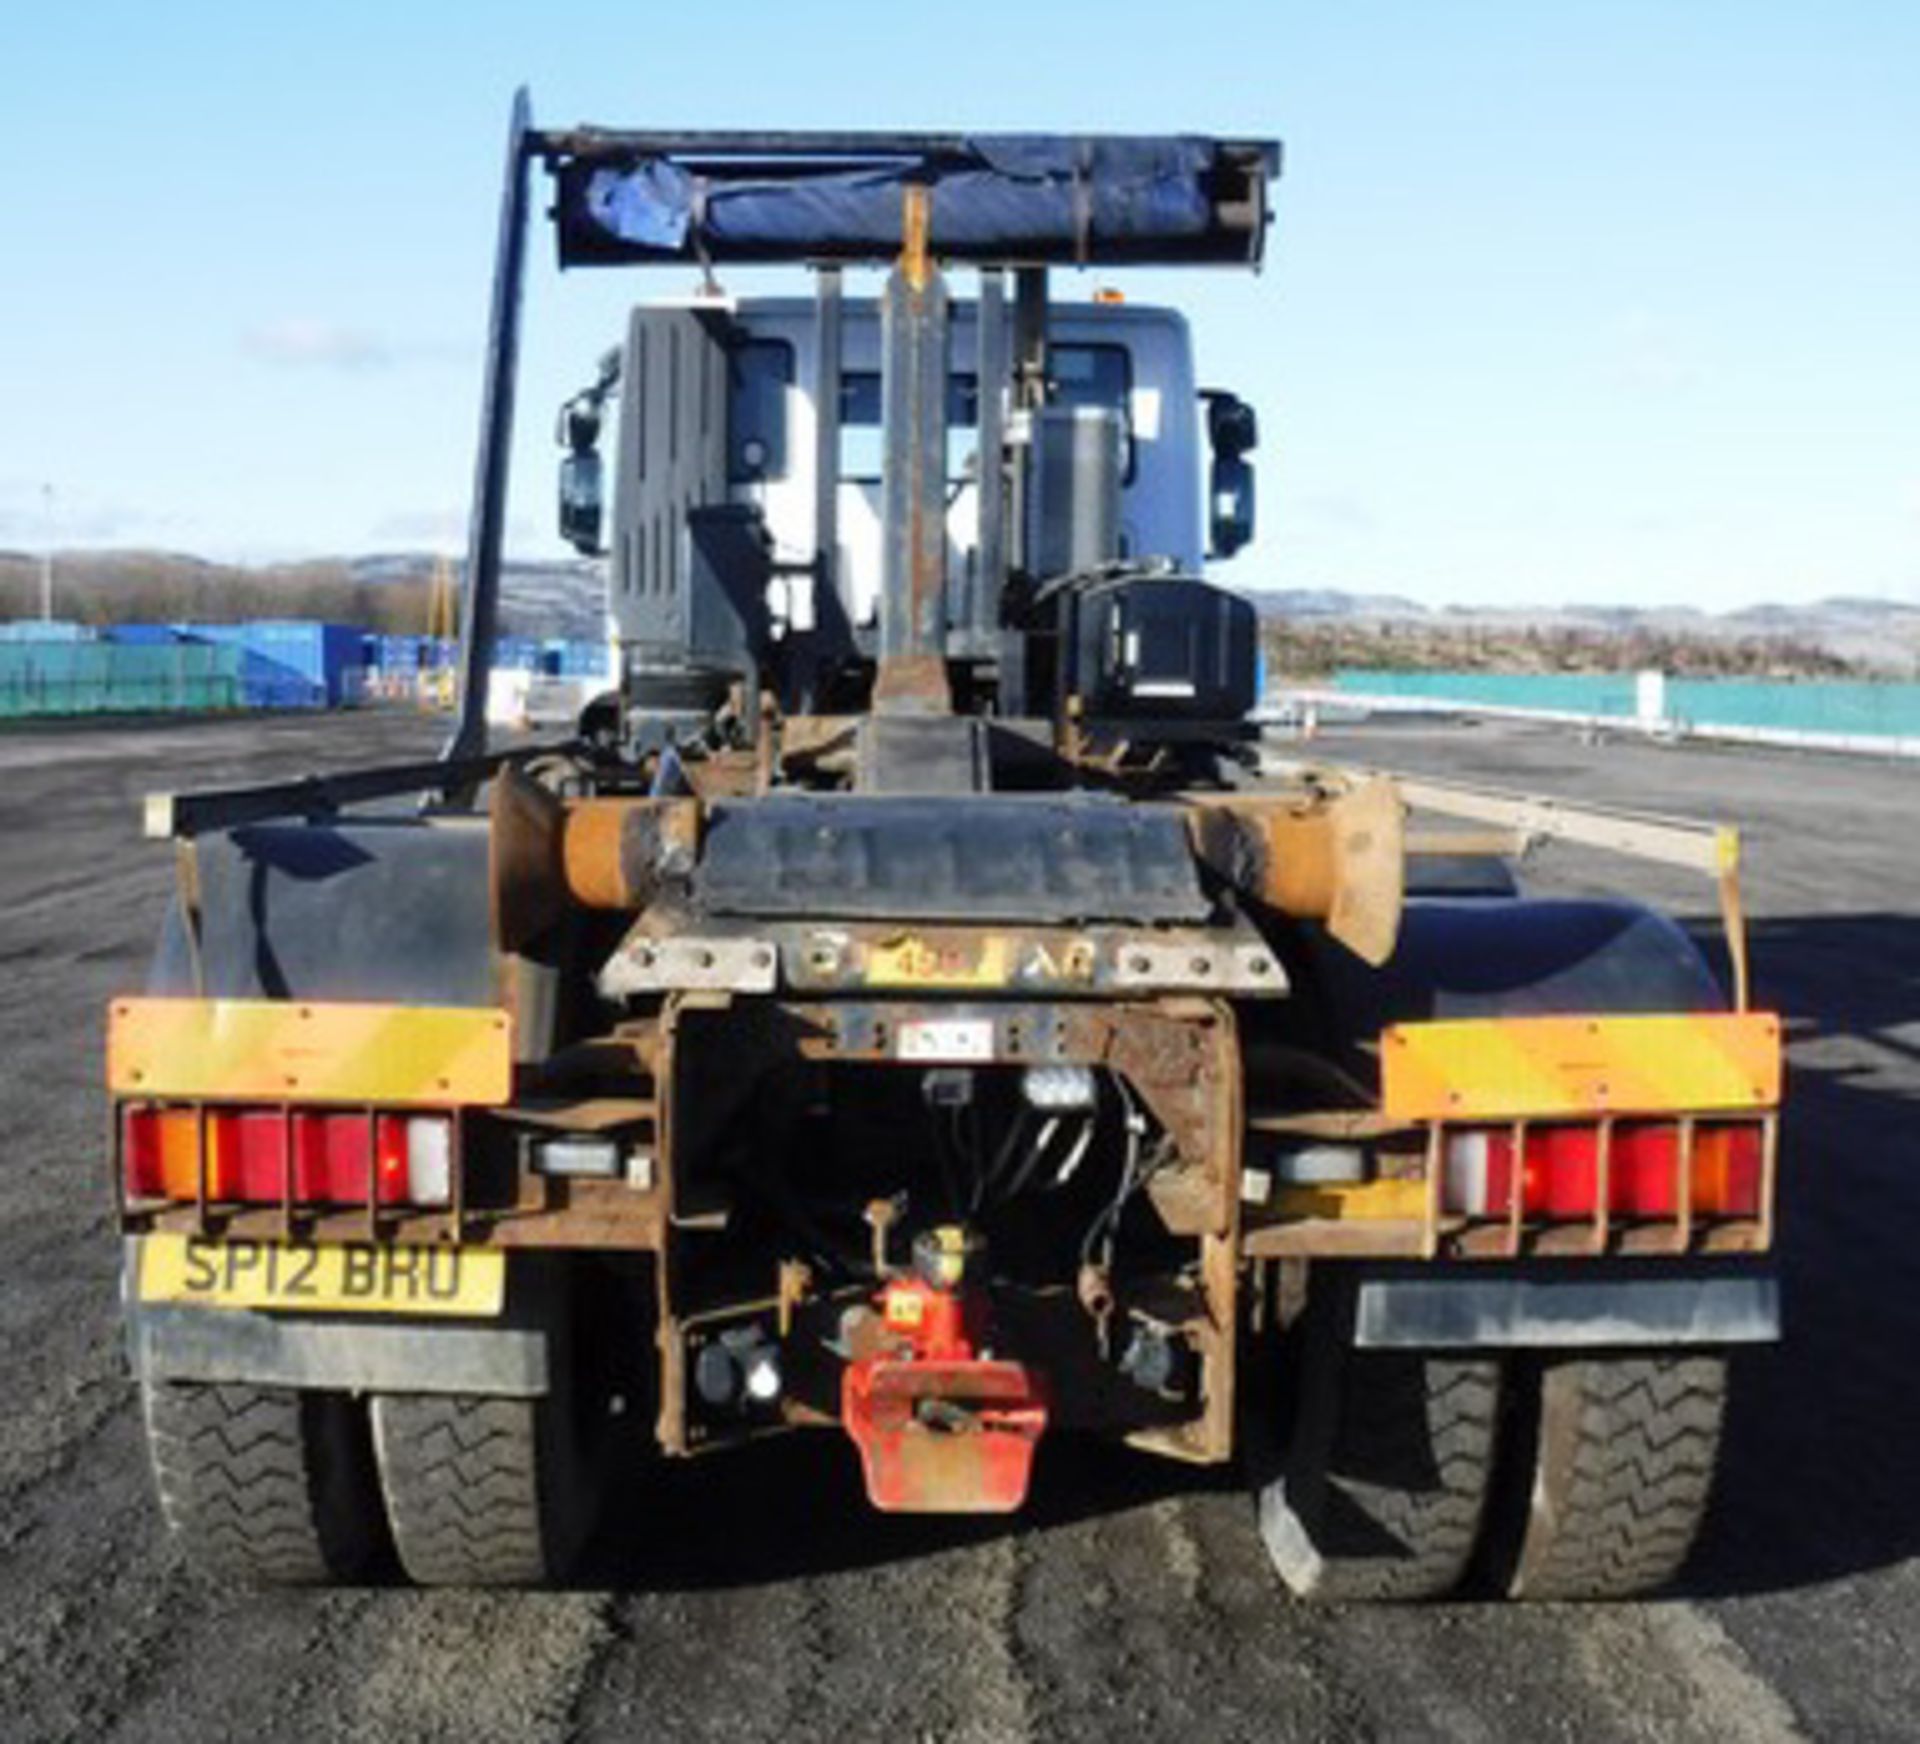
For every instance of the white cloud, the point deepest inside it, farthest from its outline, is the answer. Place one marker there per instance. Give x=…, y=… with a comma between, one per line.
x=299, y=342
x=1646, y=352
x=1340, y=511
x=443, y=529
x=25, y=521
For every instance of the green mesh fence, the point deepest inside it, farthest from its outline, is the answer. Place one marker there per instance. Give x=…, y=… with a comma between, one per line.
x=1582, y=693
x=1863, y=707
x=85, y=678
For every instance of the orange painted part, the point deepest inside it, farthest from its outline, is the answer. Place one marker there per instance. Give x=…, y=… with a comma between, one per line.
x=944, y=1437
x=310, y=1051
x=1527, y=1067
x=941, y=1431
x=178, y=1132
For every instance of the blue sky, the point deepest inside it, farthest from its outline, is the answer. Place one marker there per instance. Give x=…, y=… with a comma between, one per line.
x=1566, y=302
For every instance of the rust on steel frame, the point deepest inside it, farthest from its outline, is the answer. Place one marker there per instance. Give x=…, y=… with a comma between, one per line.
x=1180, y=1056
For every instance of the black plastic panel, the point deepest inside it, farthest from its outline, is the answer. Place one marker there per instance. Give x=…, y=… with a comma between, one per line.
x=1488, y=956
x=986, y=858
x=363, y=910
x=1169, y=649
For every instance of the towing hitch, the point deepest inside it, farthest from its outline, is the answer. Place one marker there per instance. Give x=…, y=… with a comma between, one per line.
x=941, y=1429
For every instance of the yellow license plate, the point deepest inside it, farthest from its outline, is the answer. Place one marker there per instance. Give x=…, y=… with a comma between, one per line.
x=321, y=1277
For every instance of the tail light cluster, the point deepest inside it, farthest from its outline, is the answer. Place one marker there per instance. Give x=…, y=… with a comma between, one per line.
x=1558, y=1170
x=335, y=1157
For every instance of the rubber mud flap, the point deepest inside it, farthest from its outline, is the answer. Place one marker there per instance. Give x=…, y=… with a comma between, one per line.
x=374, y=910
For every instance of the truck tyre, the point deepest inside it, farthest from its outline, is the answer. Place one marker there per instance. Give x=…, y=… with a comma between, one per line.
x=1617, y=1468
x=473, y=1489
x=267, y=1485
x=1380, y=1489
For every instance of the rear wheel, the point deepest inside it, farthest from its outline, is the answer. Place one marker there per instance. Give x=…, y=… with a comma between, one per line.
x=480, y=1491
x=267, y=1485
x=1617, y=1469
x=1379, y=1491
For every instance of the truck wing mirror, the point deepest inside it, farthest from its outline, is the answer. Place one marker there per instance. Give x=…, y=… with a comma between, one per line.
x=1232, y=427
x=1230, y=499
x=582, y=498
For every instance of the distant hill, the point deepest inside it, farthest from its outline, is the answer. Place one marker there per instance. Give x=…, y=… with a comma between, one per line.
x=1315, y=629
x=383, y=591
x=1330, y=602
x=1306, y=629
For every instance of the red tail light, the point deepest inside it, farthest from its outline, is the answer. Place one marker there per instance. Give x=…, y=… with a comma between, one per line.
x=1561, y=1167
x=1727, y=1165
x=330, y=1159
x=160, y=1153
x=249, y=1156
x=246, y=1156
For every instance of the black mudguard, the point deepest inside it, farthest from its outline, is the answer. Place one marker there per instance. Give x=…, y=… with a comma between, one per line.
x=367, y=910
x=1485, y=956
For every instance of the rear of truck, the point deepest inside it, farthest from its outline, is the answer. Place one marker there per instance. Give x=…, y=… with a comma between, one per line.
x=900, y=1015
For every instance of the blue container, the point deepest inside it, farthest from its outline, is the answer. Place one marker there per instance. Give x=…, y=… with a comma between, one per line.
x=400, y=654
x=324, y=659
x=324, y=655
x=583, y=659
x=268, y=683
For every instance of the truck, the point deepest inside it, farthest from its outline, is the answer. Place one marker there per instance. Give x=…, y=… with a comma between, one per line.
x=910, y=1005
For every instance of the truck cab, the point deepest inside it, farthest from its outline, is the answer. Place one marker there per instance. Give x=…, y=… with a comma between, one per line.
x=748, y=511
x=1134, y=361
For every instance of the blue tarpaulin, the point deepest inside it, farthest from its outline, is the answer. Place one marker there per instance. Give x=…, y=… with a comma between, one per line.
x=1012, y=197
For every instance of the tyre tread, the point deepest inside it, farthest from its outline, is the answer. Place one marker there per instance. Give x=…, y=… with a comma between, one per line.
x=462, y=1478
x=257, y=1483
x=1620, y=1491
x=1384, y=1499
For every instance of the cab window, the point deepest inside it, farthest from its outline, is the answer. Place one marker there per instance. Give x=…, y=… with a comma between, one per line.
x=759, y=372
x=1094, y=375
x=863, y=443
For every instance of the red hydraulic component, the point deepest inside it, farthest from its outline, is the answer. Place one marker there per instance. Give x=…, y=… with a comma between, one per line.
x=941, y=1430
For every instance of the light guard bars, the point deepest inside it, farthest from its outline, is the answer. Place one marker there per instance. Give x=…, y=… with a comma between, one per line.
x=995, y=200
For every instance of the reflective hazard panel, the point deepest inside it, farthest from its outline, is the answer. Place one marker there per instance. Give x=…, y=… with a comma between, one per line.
x=1516, y=1068
x=310, y=1051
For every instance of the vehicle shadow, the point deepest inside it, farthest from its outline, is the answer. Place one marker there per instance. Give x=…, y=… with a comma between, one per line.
x=1816, y=1480
x=795, y=1506
x=1816, y=1476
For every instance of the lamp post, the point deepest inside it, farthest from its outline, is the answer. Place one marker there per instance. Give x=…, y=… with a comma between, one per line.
x=46, y=560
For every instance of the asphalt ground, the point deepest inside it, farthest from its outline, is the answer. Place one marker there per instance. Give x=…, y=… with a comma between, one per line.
x=754, y=1596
